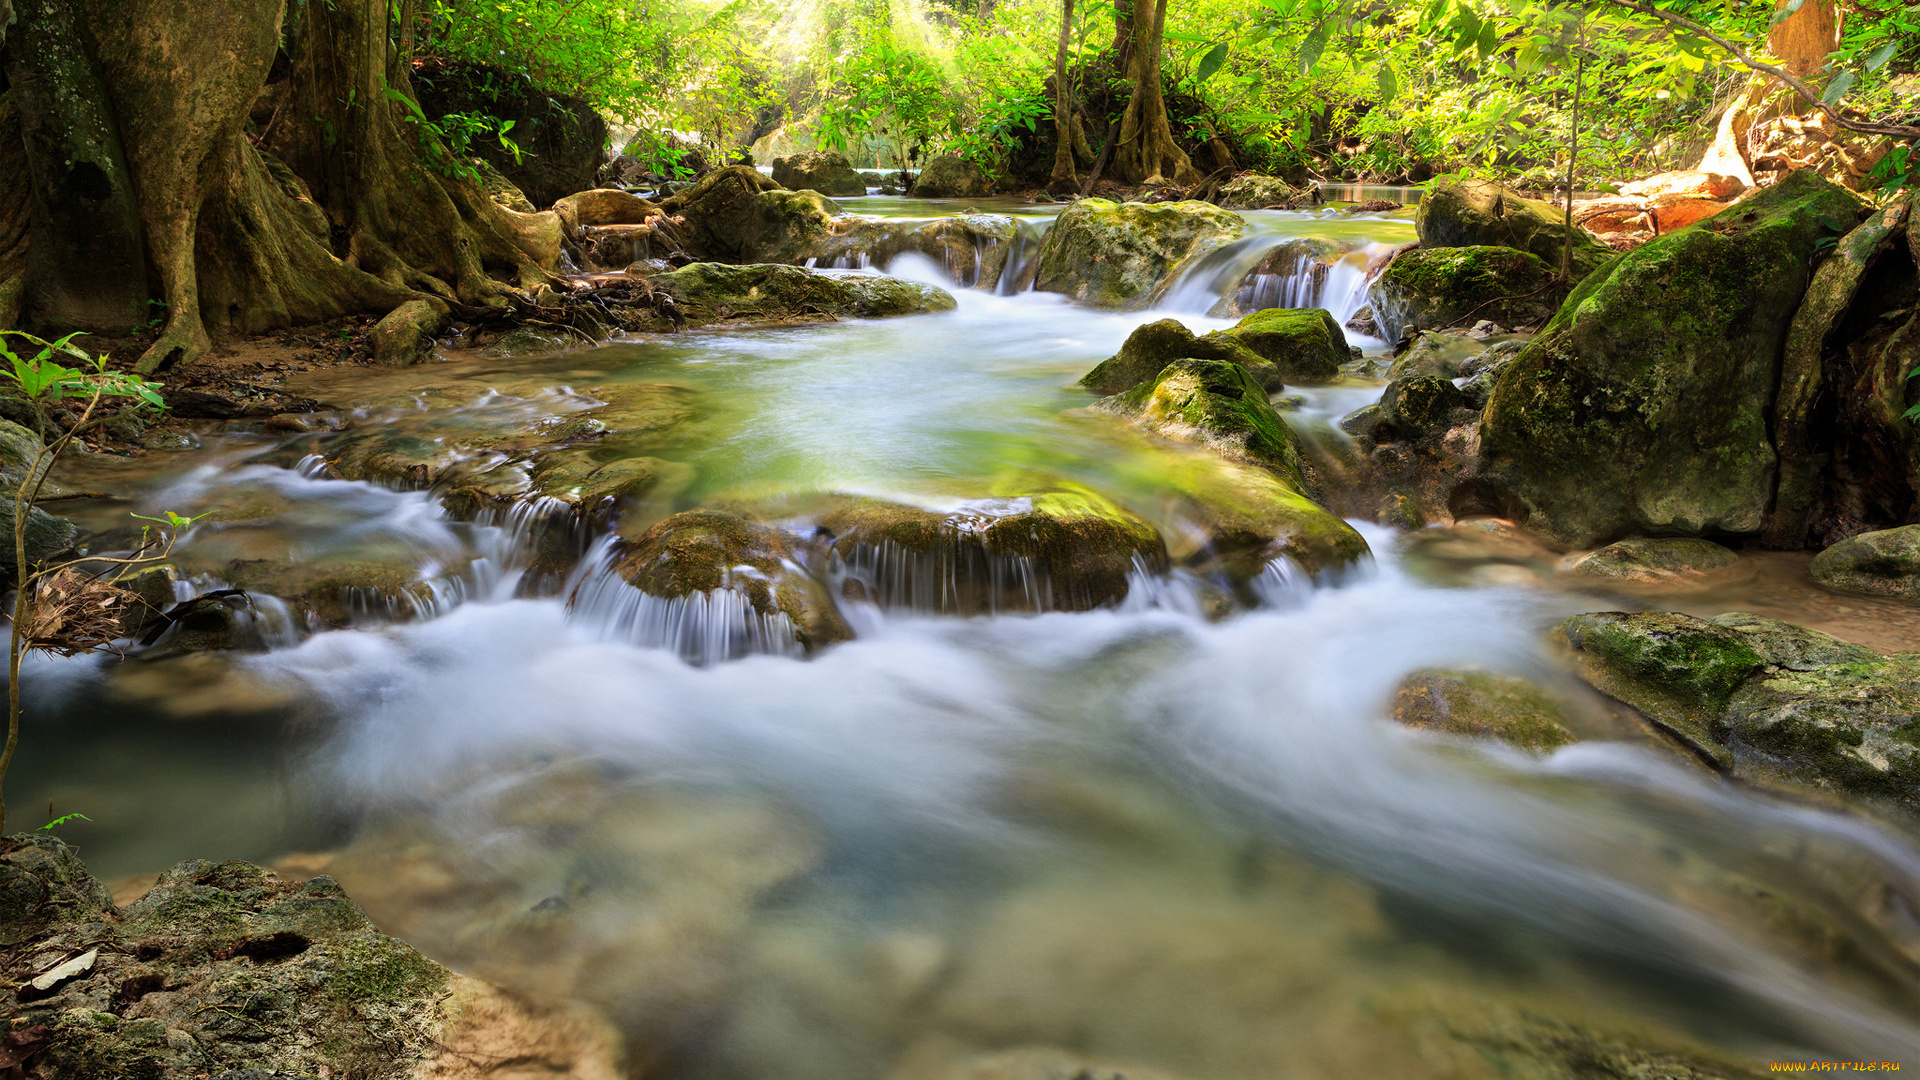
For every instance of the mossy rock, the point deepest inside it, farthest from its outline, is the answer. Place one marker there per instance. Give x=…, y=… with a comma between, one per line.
x=787, y=226
x=1120, y=255
x=1482, y=705
x=1652, y=561
x=1883, y=563
x=531, y=341
x=1421, y=405
x=1643, y=407
x=1679, y=670
x=1438, y=287
x=1480, y=213
x=339, y=592
x=1853, y=728
x=1257, y=191
x=47, y=536
x=714, y=291
x=1217, y=404
x=1433, y=352
x=1305, y=345
x=950, y=176
x=1793, y=648
x=223, y=969
x=706, y=551
x=1150, y=348
x=971, y=248
x=818, y=170
x=1067, y=550
x=720, y=216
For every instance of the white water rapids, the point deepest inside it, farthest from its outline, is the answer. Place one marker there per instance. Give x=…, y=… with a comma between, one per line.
x=1190, y=846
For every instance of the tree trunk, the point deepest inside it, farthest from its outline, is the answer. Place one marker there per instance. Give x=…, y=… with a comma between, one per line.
x=240, y=240
x=1147, y=152
x=1804, y=38
x=1063, y=181
x=1122, y=35
x=87, y=267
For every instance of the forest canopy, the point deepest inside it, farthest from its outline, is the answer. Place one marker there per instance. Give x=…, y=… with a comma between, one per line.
x=1334, y=88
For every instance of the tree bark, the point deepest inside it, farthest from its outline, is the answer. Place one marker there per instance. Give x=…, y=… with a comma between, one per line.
x=1804, y=38
x=1147, y=152
x=1122, y=35
x=1063, y=181
x=86, y=267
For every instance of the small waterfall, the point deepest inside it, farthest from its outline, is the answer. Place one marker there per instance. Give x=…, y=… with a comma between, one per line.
x=953, y=577
x=1023, y=261
x=702, y=628
x=1220, y=273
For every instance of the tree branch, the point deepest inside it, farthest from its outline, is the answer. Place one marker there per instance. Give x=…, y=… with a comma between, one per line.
x=1898, y=131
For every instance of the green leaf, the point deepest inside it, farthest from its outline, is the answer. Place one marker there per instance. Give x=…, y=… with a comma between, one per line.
x=62, y=820
x=1312, y=46
x=1211, y=63
x=1389, y=84
x=1879, y=57
x=1786, y=13
x=1838, y=88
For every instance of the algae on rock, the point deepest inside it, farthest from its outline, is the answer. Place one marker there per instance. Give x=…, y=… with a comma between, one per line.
x=1428, y=288
x=1478, y=213
x=1643, y=407
x=1120, y=255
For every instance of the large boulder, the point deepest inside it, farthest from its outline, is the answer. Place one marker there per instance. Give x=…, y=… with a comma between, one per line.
x=951, y=176
x=1480, y=213
x=1436, y=287
x=1120, y=255
x=1643, y=407
x=708, y=291
x=1848, y=456
x=1048, y=551
x=1884, y=563
x=818, y=170
x=1306, y=345
x=1151, y=347
x=562, y=139
x=222, y=969
x=736, y=214
x=1257, y=191
x=1763, y=699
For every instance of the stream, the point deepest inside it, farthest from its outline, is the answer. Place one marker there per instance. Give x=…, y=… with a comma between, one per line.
x=1182, y=844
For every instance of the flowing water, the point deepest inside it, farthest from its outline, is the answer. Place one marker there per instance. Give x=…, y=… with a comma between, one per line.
x=1148, y=837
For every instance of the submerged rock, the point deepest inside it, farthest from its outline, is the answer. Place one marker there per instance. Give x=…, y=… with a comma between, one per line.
x=1884, y=563
x=951, y=176
x=223, y=969
x=1118, y=255
x=1482, y=705
x=823, y=171
x=1438, y=287
x=1765, y=700
x=1643, y=406
x=1480, y=213
x=1650, y=561
x=714, y=291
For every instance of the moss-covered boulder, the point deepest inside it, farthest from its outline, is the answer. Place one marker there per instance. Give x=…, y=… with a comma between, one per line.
x=1438, y=287
x=1258, y=191
x=1643, y=406
x=1433, y=352
x=1305, y=345
x=736, y=214
x=715, y=291
x=1217, y=404
x=1421, y=405
x=951, y=176
x=1849, y=458
x=1051, y=551
x=823, y=171
x=1766, y=700
x=1119, y=255
x=1884, y=563
x=222, y=969
x=1655, y=561
x=1482, y=705
x=341, y=591
x=698, y=553
x=1150, y=348
x=1679, y=670
x=1480, y=213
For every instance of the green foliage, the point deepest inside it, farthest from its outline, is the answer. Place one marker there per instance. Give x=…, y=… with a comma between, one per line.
x=62, y=820
x=40, y=378
x=448, y=142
